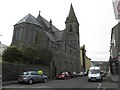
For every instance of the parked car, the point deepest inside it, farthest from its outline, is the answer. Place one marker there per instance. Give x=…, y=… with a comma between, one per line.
x=63, y=75
x=86, y=73
x=72, y=74
x=80, y=74
x=30, y=77
x=103, y=73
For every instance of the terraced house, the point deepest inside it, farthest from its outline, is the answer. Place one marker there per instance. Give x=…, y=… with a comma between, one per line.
x=60, y=48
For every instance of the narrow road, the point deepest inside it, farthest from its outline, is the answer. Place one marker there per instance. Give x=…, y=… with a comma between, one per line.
x=80, y=82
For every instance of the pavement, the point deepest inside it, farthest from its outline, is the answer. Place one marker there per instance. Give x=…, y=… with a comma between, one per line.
x=16, y=81
x=9, y=82
x=114, y=78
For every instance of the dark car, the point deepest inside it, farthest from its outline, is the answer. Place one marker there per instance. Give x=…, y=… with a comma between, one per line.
x=72, y=74
x=80, y=74
x=63, y=75
x=103, y=73
x=30, y=77
x=86, y=73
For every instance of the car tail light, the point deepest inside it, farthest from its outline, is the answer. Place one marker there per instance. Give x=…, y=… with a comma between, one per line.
x=25, y=77
x=62, y=75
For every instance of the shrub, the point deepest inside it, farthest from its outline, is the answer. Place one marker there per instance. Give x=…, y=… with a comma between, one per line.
x=12, y=54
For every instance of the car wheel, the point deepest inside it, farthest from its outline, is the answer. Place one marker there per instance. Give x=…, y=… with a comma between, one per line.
x=20, y=82
x=30, y=81
x=44, y=80
x=101, y=80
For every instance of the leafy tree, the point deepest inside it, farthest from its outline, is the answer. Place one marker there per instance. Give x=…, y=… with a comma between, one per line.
x=12, y=54
x=30, y=54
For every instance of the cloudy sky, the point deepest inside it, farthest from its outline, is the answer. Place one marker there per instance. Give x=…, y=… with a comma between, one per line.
x=96, y=19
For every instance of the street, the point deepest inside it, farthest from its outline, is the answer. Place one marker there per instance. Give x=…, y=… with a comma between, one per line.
x=79, y=82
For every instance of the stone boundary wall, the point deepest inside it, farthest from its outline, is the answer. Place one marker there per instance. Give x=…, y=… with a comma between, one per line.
x=11, y=71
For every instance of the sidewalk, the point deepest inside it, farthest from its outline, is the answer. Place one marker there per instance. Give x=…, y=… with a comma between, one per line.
x=114, y=78
x=9, y=82
x=15, y=81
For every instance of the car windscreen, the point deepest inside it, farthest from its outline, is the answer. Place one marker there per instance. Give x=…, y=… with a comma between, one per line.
x=94, y=71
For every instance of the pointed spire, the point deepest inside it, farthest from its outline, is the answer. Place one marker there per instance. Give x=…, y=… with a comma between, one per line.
x=39, y=12
x=50, y=24
x=50, y=21
x=39, y=16
x=72, y=16
x=67, y=20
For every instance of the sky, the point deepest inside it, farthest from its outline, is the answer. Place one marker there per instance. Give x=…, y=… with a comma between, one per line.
x=96, y=19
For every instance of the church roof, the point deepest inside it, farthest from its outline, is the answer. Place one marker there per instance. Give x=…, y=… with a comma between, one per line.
x=46, y=24
x=42, y=22
x=51, y=36
x=58, y=35
x=30, y=19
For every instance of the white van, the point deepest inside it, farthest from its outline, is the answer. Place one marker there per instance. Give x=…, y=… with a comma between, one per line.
x=94, y=74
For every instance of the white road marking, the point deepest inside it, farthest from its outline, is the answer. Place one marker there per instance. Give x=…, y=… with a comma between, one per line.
x=99, y=86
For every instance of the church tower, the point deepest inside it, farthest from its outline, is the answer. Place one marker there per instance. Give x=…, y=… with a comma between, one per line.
x=72, y=30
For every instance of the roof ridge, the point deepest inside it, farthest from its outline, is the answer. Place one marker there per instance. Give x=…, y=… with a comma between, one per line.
x=29, y=18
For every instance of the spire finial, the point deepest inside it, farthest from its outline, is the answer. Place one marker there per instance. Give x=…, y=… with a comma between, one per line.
x=50, y=21
x=39, y=12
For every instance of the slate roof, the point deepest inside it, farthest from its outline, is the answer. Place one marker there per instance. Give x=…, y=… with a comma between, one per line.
x=45, y=23
x=58, y=35
x=51, y=37
x=30, y=19
x=42, y=22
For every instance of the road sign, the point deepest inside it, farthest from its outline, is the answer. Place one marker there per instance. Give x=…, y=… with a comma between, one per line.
x=116, y=7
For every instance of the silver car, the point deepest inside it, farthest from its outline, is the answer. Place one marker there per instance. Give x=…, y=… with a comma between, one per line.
x=30, y=77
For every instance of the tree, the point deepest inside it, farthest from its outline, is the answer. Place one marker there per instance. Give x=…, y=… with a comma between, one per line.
x=30, y=54
x=12, y=54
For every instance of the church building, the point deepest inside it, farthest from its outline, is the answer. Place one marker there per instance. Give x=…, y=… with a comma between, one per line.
x=60, y=48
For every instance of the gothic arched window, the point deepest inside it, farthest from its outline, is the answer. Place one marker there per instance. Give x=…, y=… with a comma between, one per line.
x=70, y=29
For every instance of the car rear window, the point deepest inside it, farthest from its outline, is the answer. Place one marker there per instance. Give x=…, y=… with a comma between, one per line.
x=25, y=73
